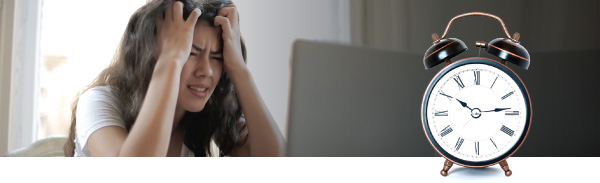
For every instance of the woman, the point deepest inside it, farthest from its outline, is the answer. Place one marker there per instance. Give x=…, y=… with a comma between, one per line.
x=177, y=83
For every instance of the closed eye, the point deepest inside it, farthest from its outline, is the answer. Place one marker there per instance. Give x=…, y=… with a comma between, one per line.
x=217, y=58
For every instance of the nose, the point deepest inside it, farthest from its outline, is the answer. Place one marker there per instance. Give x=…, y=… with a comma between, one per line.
x=203, y=67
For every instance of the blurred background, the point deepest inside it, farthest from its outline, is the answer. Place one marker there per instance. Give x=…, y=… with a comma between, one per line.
x=51, y=49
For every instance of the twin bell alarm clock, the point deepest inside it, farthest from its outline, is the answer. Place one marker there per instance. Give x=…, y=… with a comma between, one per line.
x=476, y=112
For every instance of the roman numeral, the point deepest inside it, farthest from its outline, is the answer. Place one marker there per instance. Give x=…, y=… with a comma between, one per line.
x=494, y=82
x=459, y=82
x=441, y=113
x=477, y=78
x=507, y=130
x=511, y=113
x=477, y=148
x=507, y=95
x=449, y=97
x=446, y=131
x=459, y=143
x=491, y=139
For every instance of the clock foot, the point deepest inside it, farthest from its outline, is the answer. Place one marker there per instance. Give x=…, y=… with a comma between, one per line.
x=447, y=165
x=504, y=166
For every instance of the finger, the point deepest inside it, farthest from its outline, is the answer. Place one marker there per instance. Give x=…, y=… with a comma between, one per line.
x=224, y=23
x=169, y=11
x=230, y=12
x=229, y=6
x=178, y=11
x=193, y=18
x=225, y=11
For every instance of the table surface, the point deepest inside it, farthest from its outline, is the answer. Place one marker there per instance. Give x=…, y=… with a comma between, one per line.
x=298, y=169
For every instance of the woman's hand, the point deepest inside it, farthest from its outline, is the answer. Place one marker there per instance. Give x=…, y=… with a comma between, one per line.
x=174, y=34
x=228, y=20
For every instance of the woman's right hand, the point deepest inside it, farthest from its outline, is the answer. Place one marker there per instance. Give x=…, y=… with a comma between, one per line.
x=174, y=35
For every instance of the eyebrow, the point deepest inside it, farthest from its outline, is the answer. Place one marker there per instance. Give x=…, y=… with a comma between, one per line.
x=202, y=50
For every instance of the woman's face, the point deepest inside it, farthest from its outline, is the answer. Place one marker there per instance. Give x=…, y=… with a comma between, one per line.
x=202, y=71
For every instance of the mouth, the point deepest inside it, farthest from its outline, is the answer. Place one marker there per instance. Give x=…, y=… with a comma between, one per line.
x=198, y=90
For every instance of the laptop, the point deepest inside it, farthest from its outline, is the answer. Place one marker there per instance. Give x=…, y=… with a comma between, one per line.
x=348, y=101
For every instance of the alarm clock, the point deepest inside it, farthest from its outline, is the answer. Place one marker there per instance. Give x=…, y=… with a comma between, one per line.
x=476, y=112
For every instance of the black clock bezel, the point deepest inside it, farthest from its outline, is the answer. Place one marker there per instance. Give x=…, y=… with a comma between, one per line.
x=443, y=72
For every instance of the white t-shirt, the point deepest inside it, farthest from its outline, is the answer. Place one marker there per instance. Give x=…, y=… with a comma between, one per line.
x=98, y=108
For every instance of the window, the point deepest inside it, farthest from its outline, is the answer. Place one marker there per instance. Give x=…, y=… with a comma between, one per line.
x=78, y=40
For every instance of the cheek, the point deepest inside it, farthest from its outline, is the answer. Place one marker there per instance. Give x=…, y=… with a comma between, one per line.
x=217, y=68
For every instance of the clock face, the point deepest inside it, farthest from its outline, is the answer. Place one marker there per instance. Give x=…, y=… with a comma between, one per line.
x=476, y=112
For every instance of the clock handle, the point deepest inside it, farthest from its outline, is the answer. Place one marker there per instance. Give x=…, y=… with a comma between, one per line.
x=514, y=38
x=447, y=165
x=504, y=166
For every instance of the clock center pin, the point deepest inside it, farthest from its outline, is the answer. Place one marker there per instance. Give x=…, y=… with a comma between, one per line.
x=476, y=113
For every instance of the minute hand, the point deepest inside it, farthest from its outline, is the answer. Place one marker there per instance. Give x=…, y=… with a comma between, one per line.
x=497, y=110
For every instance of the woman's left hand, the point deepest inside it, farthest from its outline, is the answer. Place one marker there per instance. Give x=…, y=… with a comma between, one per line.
x=228, y=20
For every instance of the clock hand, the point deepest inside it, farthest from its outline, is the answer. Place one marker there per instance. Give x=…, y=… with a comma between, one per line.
x=464, y=104
x=497, y=110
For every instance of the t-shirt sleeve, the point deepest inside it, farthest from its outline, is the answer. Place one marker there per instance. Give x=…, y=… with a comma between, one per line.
x=96, y=108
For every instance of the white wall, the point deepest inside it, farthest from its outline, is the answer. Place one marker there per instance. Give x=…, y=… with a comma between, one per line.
x=269, y=28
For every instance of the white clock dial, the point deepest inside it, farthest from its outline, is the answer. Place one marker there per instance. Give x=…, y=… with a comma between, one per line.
x=476, y=112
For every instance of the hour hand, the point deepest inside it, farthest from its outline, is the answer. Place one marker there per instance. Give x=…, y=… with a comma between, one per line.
x=464, y=104
x=497, y=110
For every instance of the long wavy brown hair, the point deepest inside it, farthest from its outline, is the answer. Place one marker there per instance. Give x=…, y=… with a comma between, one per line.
x=131, y=69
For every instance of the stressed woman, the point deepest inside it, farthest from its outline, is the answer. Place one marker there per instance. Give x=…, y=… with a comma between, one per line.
x=177, y=84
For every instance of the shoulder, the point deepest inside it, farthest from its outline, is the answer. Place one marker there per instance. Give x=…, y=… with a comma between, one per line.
x=96, y=104
x=96, y=108
x=98, y=100
x=97, y=92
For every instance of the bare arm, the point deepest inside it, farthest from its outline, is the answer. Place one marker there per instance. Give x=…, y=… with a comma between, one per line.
x=150, y=136
x=264, y=137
